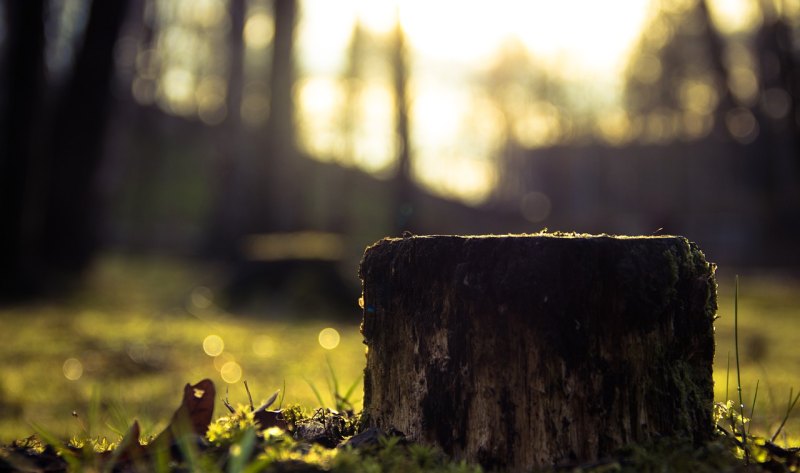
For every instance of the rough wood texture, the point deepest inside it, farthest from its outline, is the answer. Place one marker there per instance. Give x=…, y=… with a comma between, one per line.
x=533, y=350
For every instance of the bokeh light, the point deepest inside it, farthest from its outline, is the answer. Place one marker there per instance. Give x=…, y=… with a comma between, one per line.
x=202, y=297
x=213, y=345
x=259, y=30
x=742, y=125
x=231, y=372
x=329, y=338
x=535, y=207
x=73, y=369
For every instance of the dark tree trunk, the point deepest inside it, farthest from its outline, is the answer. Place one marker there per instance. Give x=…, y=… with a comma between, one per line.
x=403, y=191
x=20, y=116
x=229, y=204
x=526, y=351
x=70, y=233
x=275, y=184
x=280, y=124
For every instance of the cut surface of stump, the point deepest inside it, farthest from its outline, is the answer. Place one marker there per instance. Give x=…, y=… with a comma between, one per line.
x=522, y=351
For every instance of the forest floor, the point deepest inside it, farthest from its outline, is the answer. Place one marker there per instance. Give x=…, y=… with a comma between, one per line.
x=139, y=331
x=125, y=346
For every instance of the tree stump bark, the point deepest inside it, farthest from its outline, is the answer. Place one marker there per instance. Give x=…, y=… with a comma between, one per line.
x=535, y=350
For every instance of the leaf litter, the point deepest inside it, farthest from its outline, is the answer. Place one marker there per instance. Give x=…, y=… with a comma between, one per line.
x=288, y=440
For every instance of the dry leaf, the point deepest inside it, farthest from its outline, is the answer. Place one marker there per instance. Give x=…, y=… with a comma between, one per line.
x=129, y=448
x=267, y=419
x=193, y=415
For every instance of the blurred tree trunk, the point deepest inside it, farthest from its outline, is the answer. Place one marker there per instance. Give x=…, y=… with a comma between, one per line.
x=143, y=154
x=19, y=136
x=779, y=136
x=280, y=125
x=403, y=185
x=352, y=78
x=716, y=55
x=229, y=213
x=276, y=191
x=75, y=150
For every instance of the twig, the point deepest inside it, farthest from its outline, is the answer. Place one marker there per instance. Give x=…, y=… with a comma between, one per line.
x=227, y=403
x=249, y=396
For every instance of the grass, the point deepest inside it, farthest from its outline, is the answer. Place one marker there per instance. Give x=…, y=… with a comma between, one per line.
x=768, y=326
x=136, y=335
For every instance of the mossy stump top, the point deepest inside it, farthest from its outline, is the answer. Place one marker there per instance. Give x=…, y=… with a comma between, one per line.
x=521, y=351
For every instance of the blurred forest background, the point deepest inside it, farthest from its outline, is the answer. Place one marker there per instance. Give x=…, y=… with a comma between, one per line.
x=279, y=137
x=167, y=166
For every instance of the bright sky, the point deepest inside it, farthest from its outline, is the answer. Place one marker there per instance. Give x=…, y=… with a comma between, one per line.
x=451, y=41
x=593, y=34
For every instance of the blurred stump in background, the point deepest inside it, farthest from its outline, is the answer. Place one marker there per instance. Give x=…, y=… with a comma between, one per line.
x=300, y=271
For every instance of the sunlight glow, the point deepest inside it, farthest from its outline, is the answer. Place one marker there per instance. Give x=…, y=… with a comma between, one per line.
x=583, y=44
x=450, y=137
x=732, y=16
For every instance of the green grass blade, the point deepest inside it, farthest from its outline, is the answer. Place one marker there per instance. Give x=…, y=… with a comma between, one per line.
x=351, y=389
x=240, y=452
x=789, y=409
x=119, y=418
x=753, y=407
x=738, y=370
x=283, y=393
x=333, y=384
x=315, y=391
x=50, y=439
x=161, y=460
x=727, y=378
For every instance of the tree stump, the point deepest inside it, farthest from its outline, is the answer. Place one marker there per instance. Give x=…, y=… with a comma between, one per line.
x=525, y=351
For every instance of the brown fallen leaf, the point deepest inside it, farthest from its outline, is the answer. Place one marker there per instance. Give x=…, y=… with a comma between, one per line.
x=270, y=418
x=267, y=419
x=193, y=415
x=128, y=451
